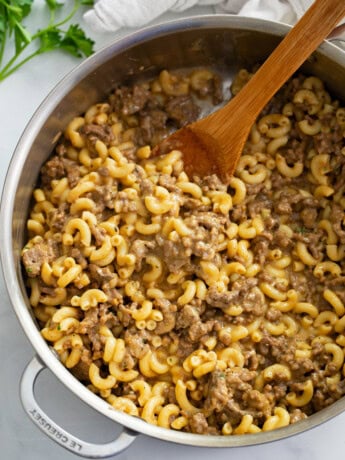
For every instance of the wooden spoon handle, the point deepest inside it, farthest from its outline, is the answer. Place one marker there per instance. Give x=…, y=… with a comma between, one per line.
x=295, y=48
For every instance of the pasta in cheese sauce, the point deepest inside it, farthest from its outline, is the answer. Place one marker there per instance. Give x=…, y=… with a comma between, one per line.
x=196, y=306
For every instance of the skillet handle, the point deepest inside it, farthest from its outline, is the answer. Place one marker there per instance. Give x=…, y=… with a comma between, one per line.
x=58, y=434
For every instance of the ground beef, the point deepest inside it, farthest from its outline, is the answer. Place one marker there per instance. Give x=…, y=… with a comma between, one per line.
x=169, y=316
x=276, y=390
x=282, y=239
x=219, y=299
x=273, y=314
x=79, y=258
x=186, y=317
x=337, y=218
x=254, y=189
x=260, y=248
x=151, y=122
x=294, y=153
x=103, y=196
x=257, y=403
x=242, y=398
x=255, y=206
x=283, y=207
x=124, y=203
x=40, y=252
x=129, y=101
x=279, y=181
x=176, y=258
x=237, y=378
x=58, y=216
x=169, y=182
x=238, y=213
x=191, y=203
x=325, y=143
x=128, y=361
x=95, y=132
x=309, y=217
x=218, y=393
x=72, y=171
x=313, y=240
x=53, y=169
x=198, y=423
x=297, y=415
x=141, y=248
x=199, y=329
x=182, y=109
x=90, y=327
x=199, y=242
x=81, y=370
x=339, y=168
x=186, y=347
x=211, y=183
x=243, y=293
x=137, y=343
x=301, y=366
x=276, y=349
x=146, y=187
x=100, y=275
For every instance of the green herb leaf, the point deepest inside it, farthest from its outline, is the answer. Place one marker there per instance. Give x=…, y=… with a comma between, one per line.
x=76, y=43
x=3, y=23
x=87, y=2
x=53, y=4
x=50, y=40
x=25, y=6
x=21, y=37
x=15, y=12
x=50, y=37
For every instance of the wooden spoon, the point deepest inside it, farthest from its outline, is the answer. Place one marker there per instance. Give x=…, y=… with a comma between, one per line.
x=214, y=144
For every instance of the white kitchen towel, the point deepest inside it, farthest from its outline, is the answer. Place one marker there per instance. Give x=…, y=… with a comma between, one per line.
x=112, y=15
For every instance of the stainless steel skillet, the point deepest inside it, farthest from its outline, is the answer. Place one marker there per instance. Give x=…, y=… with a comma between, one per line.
x=225, y=43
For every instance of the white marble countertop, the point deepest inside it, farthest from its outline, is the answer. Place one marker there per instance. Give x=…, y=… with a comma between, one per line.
x=20, y=95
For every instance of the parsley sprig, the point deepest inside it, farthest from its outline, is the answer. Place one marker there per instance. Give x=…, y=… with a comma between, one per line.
x=51, y=37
